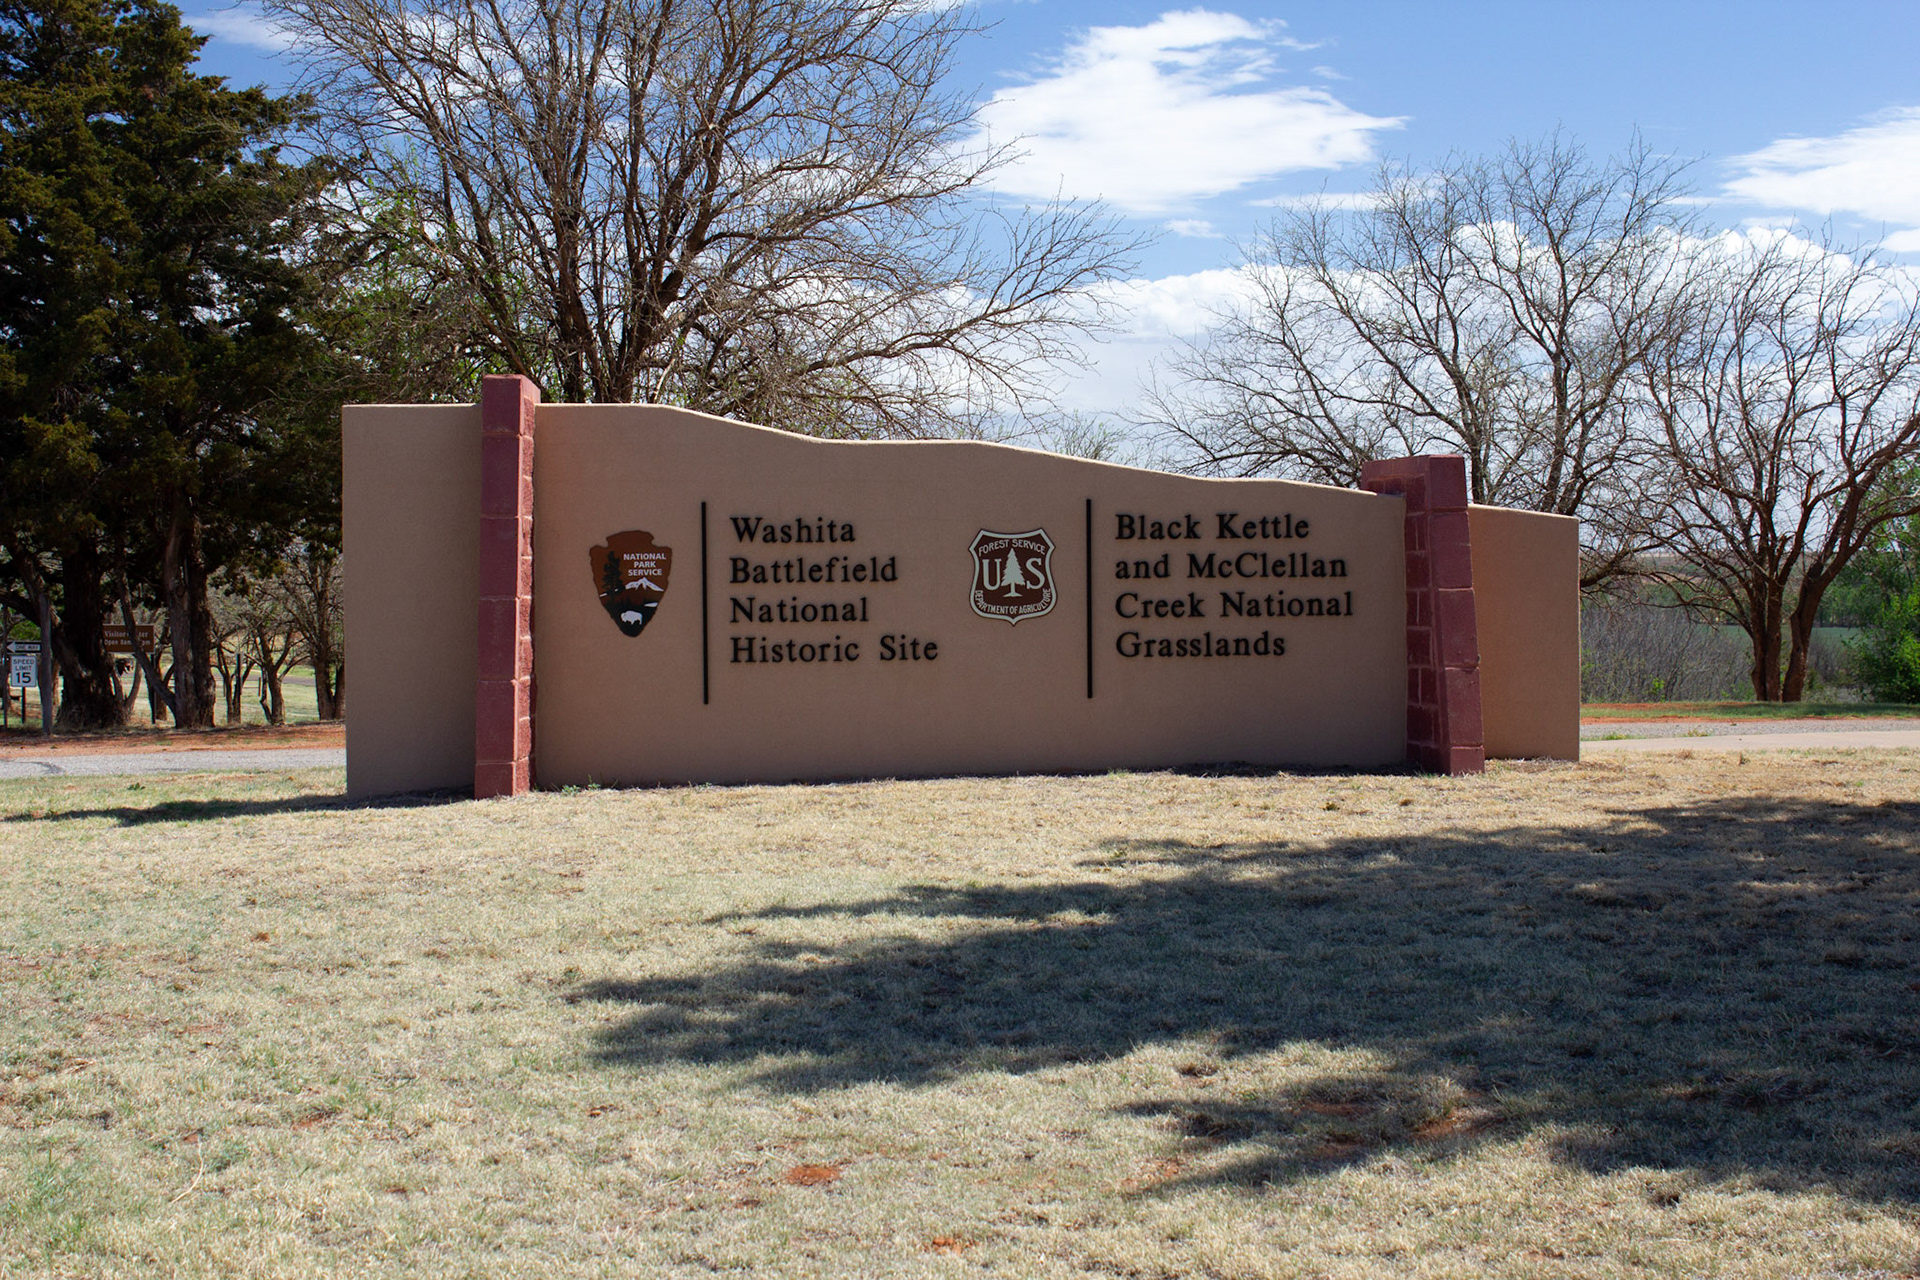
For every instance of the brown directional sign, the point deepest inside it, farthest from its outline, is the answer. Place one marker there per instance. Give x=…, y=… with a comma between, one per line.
x=117, y=640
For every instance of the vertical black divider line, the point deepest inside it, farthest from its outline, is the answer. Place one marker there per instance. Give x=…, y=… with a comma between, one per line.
x=704, y=610
x=1089, y=597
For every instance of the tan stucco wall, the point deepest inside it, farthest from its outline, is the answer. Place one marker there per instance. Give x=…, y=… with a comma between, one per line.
x=1526, y=591
x=614, y=708
x=411, y=505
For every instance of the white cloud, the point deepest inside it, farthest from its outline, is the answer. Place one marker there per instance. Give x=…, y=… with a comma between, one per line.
x=1352, y=201
x=1872, y=171
x=1328, y=73
x=243, y=24
x=1153, y=316
x=1152, y=118
x=1194, y=228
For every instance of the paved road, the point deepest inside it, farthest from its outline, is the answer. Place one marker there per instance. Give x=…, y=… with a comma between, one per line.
x=82, y=765
x=1715, y=735
x=1745, y=728
x=1777, y=737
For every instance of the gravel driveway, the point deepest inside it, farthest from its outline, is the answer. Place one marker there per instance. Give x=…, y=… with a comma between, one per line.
x=79, y=765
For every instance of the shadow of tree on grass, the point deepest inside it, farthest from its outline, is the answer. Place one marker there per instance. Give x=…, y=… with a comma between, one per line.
x=210, y=808
x=1728, y=987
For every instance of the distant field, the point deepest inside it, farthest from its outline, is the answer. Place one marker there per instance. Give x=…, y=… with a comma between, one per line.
x=296, y=690
x=1637, y=1017
x=1748, y=710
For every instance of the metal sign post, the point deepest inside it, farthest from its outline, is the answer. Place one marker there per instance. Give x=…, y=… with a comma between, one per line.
x=22, y=672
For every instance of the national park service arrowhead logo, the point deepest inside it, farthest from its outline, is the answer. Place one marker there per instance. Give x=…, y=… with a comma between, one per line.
x=1012, y=574
x=631, y=575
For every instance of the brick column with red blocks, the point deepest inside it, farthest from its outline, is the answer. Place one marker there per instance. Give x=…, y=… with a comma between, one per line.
x=1443, y=644
x=503, y=697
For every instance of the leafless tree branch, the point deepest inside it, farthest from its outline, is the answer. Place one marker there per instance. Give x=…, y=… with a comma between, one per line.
x=761, y=208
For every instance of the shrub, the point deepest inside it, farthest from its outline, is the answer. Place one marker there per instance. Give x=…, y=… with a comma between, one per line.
x=1631, y=651
x=1886, y=655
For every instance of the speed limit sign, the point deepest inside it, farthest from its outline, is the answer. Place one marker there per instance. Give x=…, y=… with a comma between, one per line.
x=23, y=671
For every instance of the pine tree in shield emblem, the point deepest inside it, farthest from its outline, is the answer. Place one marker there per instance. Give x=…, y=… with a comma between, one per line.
x=1012, y=574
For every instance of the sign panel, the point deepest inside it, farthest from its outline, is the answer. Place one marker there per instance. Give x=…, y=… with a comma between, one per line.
x=631, y=575
x=1012, y=574
x=23, y=670
x=852, y=610
x=117, y=640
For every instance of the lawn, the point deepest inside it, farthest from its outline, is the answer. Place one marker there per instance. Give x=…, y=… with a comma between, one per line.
x=1601, y=712
x=1650, y=1016
x=296, y=692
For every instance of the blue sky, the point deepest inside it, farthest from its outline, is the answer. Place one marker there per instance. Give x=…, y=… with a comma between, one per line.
x=1194, y=123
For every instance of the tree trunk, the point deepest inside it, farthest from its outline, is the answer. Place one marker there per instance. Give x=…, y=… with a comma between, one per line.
x=88, y=698
x=330, y=685
x=1800, y=624
x=234, y=673
x=1762, y=624
x=133, y=693
x=314, y=596
x=158, y=696
x=159, y=699
x=159, y=693
x=272, y=703
x=327, y=675
x=190, y=622
x=326, y=662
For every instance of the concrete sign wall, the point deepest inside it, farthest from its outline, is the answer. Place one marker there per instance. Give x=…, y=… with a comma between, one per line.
x=847, y=610
x=699, y=600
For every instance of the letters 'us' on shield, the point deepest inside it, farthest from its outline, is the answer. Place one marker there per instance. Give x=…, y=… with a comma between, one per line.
x=1012, y=574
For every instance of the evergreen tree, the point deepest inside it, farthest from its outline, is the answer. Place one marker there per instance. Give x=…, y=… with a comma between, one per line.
x=150, y=314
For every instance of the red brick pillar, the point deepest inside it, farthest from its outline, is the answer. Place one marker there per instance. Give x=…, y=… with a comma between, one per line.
x=503, y=697
x=1443, y=642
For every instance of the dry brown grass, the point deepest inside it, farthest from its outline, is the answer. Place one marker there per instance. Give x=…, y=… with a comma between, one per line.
x=1649, y=1016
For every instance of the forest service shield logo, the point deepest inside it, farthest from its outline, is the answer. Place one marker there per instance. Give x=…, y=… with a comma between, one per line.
x=630, y=573
x=1012, y=574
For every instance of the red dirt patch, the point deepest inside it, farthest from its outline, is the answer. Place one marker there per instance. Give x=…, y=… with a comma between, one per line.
x=1465, y=1121
x=1153, y=1173
x=812, y=1175
x=952, y=1246
x=15, y=742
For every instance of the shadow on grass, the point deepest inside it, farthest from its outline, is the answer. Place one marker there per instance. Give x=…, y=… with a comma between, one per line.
x=136, y=815
x=1727, y=988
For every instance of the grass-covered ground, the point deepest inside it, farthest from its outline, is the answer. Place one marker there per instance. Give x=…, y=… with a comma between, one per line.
x=296, y=693
x=1647, y=1016
x=1603, y=711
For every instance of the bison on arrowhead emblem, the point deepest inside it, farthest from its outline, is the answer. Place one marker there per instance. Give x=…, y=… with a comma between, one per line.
x=631, y=575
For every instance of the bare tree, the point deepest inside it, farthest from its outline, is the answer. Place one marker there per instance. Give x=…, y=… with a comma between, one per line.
x=159, y=677
x=1789, y=418
x=309, y=590
x=758, y=208
x=1635, y=650
x=272, y=642
x=1498, y=308
x=233, y=660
